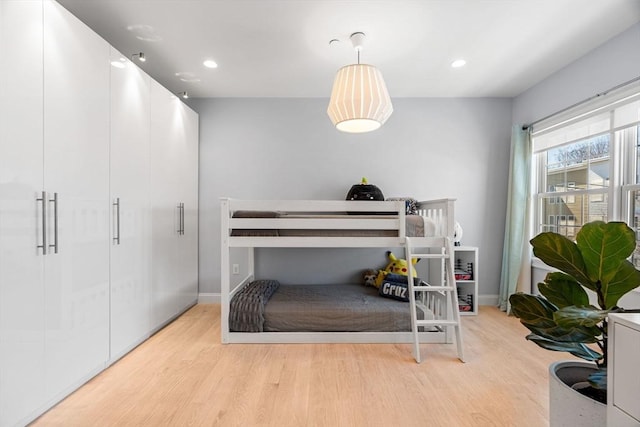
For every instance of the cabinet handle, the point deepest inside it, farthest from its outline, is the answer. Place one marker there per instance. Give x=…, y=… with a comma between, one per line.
x=116, y=237
x=55, y=222
x=182, y=219
x=43, y=199
x=179, y=231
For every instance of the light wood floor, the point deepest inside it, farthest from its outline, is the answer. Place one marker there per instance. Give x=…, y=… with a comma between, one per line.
x=183, y=376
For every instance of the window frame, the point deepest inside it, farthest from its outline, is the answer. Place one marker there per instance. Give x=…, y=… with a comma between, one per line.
x=581, y=122
x=539, y=180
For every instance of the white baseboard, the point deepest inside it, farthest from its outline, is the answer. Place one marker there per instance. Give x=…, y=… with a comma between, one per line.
x=488, y=300
x=208, y=298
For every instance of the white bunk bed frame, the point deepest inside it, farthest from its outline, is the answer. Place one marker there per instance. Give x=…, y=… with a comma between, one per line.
x=440, y=211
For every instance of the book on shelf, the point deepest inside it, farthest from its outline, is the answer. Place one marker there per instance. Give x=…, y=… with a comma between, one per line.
x=465, y=302
x=465, y=307
x=462, y=275
x=463, y=272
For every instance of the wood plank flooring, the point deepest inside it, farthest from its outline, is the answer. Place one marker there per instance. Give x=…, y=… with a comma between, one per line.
x=183, y=376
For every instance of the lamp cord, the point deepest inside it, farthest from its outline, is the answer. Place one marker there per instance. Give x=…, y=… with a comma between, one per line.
x=358, y=56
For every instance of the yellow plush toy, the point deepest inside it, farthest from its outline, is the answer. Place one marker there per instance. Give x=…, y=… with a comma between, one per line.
x=395, y=266
x=399, y=266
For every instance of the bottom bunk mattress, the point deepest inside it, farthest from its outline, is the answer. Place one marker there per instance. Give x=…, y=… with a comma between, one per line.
x=325, y=308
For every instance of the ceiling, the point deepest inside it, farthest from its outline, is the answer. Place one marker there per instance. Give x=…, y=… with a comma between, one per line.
x=280, y=48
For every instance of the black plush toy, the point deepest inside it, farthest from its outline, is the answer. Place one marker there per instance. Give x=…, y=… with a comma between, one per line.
x=364, y=191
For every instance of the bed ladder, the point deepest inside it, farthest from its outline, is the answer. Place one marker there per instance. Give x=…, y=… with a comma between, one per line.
x=419, y=293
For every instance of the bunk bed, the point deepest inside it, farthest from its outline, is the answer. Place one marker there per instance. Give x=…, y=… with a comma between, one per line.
x=252, y=224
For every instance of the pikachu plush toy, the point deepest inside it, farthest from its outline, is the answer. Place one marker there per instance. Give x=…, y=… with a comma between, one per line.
x=396, y=266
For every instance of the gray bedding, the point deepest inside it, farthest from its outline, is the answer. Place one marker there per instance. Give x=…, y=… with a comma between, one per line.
x=416, y=226
x=334, y=308
x=246, y=310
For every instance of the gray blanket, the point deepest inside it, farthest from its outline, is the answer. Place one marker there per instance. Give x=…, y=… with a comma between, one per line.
x=246, y=310
x=334, y=308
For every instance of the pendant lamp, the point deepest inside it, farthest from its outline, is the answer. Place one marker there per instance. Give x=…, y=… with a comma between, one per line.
x=359, y=99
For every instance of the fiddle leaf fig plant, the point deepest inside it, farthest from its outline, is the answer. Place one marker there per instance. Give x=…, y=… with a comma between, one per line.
x=561, y=318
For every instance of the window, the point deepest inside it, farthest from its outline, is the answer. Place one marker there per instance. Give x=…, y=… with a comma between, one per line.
x=571, y=186
x=587, y=167
x=576, y=176
x=631, y=190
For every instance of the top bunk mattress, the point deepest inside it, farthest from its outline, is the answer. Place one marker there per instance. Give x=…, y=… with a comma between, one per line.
x=415, y=226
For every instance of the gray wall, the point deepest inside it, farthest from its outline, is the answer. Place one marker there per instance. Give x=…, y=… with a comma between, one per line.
x=287, y=148
x=615, y=62
x=277, y=148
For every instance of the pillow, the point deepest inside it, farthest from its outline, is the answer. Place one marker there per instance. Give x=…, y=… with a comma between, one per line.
x=411, y=204
x=429, y=227
x=395, y=286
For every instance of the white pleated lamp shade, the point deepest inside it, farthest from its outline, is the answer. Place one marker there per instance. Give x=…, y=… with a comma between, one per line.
x=359, y=99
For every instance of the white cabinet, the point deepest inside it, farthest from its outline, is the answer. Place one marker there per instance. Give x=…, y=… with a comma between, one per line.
x=54, y=217
x=76, y=179
x=622, y=371
x=22, y=338
x=466, y=272
x=188, y=248
x=76, y=267
x=174, y=172
x=130, y=289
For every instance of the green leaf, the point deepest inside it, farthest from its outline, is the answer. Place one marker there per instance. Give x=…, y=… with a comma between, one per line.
x=577, y=349
x=532, y=309
x=559, y=252
x=626, y=279
x=587, y=316
x=596, y=261
x=561, y=334
x=562, y=290
x=603, y=247
x=538, y=315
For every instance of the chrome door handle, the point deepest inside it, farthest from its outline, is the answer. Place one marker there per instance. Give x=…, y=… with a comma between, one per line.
x=182, y=219
x=55, y=222
x=116, y=237
x=179, y=231
x=43, y=199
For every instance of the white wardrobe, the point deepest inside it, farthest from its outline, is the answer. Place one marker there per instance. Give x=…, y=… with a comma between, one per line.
x=98, y=206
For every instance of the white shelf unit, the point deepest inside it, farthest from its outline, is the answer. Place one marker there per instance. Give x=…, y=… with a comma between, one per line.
x=466, y=259
x=622, y=370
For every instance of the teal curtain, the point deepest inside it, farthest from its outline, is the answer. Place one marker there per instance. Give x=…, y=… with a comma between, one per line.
x=518, y=217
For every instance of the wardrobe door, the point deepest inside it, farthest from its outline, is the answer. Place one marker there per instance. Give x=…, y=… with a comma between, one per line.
x=21, y=262
x=188, y=239
x=166, y=151
x=130, y=206
x=76, y=177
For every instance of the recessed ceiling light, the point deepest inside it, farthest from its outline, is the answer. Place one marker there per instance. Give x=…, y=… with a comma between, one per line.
x=210, y=63
x=458, y=63
x=144, y=32
x=187, y=76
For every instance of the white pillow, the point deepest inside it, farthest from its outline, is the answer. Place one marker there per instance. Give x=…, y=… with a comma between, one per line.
x=429, y=227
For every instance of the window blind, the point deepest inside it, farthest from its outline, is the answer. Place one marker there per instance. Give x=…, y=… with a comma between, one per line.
x=617, y=109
